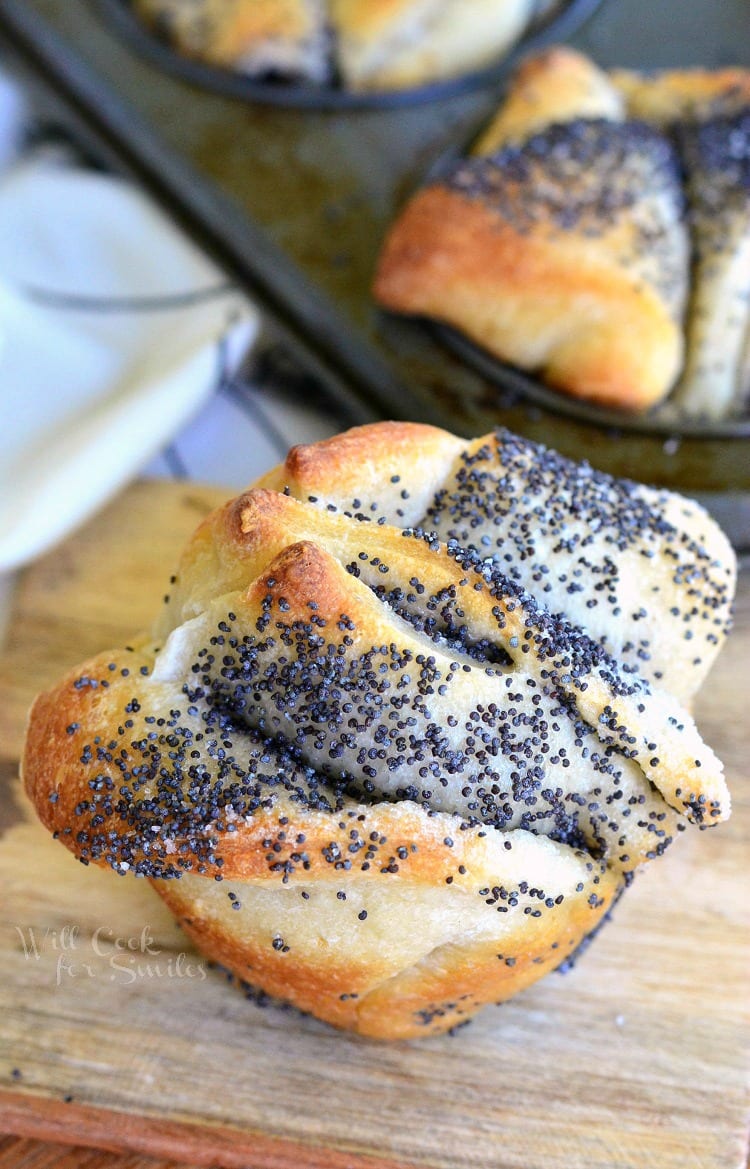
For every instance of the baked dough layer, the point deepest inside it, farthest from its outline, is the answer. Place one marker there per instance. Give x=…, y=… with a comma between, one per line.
x=644, y=572
x=599, y=236
x=366, y=767
x=368, y=44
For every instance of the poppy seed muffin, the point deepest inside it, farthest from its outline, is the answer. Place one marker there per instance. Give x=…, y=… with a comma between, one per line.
x=597, y=236
x=366, y=767
x=364, y=45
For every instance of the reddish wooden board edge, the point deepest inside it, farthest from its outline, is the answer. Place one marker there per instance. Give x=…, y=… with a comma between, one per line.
x=26, y=1114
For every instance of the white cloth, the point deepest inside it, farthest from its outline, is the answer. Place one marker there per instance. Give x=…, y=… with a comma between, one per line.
x=114, y=329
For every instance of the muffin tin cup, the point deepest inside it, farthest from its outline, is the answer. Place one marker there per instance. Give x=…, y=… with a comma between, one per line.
x=665, y=419
x=557, y=21
x=392, y=367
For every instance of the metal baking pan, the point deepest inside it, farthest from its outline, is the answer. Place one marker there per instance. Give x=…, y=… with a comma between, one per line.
x=295, y=203
x=664, y=420
x=556, y=20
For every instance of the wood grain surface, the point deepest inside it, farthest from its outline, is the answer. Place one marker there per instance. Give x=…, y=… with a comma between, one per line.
x=20, y=1153
x=113, y=1032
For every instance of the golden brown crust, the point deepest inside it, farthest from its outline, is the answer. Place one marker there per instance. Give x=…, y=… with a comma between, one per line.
x=267, y=18
x=377, y=44
x=361, y=464
x=396, y=43
x=363, y=461
x=555, y=86
x=404, y=857
x=250, y=35
x=229, y=30
x=563, y=305
x=389, y=959
x=672, y=95
x=370, y=19
x=581, y=163
x=392, y=785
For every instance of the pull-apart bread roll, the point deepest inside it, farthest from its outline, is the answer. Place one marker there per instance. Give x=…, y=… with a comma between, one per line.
x=390, y=44
x=600, y=236
x=564, y=251
x=255, y=37
x=716, y=379
x=366, y=44
x=394, y=784
x=709, y=114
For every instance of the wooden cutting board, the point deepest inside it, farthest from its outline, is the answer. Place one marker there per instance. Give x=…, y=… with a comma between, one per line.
x=114, y=1032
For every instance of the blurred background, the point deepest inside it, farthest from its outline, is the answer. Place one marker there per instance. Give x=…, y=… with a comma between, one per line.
x=186, y=262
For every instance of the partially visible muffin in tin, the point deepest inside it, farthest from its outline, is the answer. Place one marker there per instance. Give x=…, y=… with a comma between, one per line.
x=598, y=236
x=256, y=37
x=360, y=44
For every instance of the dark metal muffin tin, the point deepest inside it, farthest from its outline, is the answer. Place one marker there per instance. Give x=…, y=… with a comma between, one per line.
x=558, y=19
x=296, y=202
x=664, y=420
